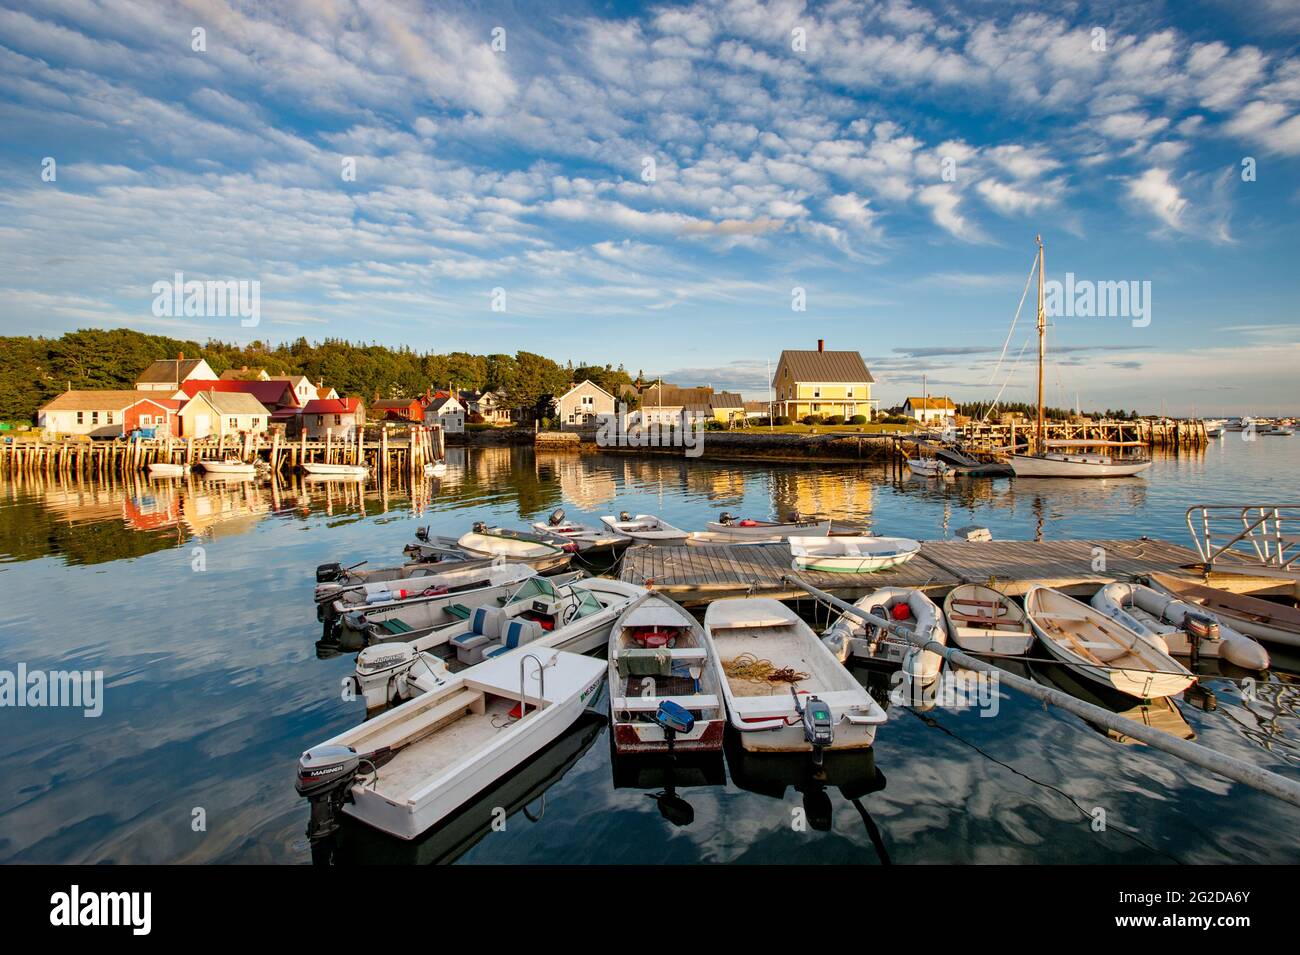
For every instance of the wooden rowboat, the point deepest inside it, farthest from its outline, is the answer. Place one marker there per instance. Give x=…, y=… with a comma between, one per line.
x=1101, y=649
x=982, y=620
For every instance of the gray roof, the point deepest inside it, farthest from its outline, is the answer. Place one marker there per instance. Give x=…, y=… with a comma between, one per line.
x=168, y=369
x=234, y=402
x=727, y=399
x=825, y=366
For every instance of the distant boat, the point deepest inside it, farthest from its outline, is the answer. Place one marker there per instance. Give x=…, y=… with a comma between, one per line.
x=1055, y=464
x=1278, y=431
x=645, y=528
x=161, y=470
x=1101, y=649
x=931, y=468
x=593, y=536
x=851, y=555
x=228, y=466
x=983, y=620
x=657, y=654
x=336, y=470
x=728, y=526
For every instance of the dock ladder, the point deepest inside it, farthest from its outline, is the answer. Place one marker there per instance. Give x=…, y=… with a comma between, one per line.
x=1261, y=535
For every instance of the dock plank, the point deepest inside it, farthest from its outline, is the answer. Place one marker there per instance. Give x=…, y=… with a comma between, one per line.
x=696, y=575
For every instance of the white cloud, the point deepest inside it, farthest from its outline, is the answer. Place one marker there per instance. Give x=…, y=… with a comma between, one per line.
x=1158, y=195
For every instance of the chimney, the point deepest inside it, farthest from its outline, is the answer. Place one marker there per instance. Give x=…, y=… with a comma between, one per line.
x=821, y=344
x=180, y=356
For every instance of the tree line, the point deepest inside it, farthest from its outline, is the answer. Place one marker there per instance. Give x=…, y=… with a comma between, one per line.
x=34, y=370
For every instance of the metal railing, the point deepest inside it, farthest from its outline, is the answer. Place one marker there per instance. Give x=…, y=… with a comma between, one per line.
x=1266, y=535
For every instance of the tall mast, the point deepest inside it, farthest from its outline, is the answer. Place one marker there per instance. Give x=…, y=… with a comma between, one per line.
x=1042, y=347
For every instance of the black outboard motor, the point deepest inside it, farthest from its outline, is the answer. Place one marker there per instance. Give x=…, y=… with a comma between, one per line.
x=325, y=776
x=556, y=518
x=624, y=516
x=422, y=534
x=818, y=726
x=793, y=517
x=725, y=518
x=329, y=573
x=479, y=527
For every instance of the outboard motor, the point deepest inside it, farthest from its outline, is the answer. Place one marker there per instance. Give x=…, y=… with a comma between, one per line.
x=556, y=518
x=818, y=726
x=794, y=517
x=329, y=573
x=479, y=527
x=726, y=518
x=422, y=534
x=624, y=516
x=325, y=776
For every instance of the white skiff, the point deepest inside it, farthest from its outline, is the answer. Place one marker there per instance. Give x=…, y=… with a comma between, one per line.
x=644, y=527
x=161, y=470
x=851, y=555
x=336, y=470
x=228, y=467
x=1101, y=649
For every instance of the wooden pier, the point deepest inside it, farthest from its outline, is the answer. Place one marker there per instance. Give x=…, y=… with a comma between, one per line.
x=693, y=575
x=407, y=451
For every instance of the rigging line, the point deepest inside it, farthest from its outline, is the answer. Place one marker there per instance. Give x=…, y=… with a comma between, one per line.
x=1007, y=381
x=1014, y=319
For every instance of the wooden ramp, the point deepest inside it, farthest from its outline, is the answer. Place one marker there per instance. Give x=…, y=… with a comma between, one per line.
x=697, y=575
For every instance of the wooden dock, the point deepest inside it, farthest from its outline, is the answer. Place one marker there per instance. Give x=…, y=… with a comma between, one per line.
x=693, y=576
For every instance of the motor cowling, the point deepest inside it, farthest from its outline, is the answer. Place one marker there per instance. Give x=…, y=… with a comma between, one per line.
x=330, y=573
x=422, y=534
x=479, y=527
x=624, y=516
x=557, y=517
x=725, y=518
x=325, y=776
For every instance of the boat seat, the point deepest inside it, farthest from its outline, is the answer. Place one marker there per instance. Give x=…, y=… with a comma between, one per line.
x=484, y=628
x=395, y=626
x=459, y=611
x=518, y=632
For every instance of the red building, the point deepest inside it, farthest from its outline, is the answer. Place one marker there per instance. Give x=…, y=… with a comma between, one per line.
x=398, y=409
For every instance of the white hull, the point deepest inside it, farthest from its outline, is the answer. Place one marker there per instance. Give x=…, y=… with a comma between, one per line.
x=1074, y=466
x=336, y=470
x=1101, y=649
x=851, y=555
x=645, y=528
x=767, y=531
x=167, y=470
x=1002, y=629
x=436, y=773
x=595, y=537
x=1254, y=617
x=490, y=545
x=931, y=467
x=228, y=467
x=850, y=638
x=764, y=714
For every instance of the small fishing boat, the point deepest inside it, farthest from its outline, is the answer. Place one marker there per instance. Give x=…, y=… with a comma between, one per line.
x=657, y=654
x=1101, y=649
x=851, y=637
x=1261, y=619
x=228, y=466
x=785, y=692
x=741, y=530
x=1278, y=431
x=851, y=555
x=931, y=468
x=490, y=543
x=565, y=613
x=162, y=470
x=411, y=767
x=1174, y=626
x=408, y=619
x=430, y=580
x=336, y=470
x=644, y=528
x=593, y=536
x=983, y=620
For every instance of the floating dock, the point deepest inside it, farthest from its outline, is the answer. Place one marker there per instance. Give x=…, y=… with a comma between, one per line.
x=695, y=575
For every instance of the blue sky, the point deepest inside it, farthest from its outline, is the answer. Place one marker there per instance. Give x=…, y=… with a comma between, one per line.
x=895, y=165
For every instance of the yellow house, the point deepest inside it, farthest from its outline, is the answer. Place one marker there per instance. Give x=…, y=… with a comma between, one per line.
x=822, y=382
x=223, y=413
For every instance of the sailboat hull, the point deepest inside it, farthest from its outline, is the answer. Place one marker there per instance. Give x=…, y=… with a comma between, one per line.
x=1026, y=465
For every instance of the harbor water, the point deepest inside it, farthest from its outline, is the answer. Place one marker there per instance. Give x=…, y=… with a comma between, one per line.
x=194, y=599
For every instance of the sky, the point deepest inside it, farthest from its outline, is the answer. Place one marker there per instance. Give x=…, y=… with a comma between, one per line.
x=660, y=185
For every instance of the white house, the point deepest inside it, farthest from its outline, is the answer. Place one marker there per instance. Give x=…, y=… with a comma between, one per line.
x=583, y=404
x=445, y=412
x=105, y=414
x=932, y=409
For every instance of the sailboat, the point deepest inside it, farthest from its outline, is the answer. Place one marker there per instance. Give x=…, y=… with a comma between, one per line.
x=1044, y=463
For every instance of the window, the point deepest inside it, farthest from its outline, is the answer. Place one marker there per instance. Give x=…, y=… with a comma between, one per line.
x=108, y=417
x=94, y=417
x=81, y=417
x=145, y=420
x=817, y=392
x=338, y=419
x=588, y=401
x=815, y=406
x=320, y=420
x=849, y=393
x=255, y=422
x=234, y=424
x=571, y=418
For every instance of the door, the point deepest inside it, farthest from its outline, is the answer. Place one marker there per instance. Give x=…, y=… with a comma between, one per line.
x=202, y=426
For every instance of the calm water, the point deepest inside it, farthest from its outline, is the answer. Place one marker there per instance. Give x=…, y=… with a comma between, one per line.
x=196, y=602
